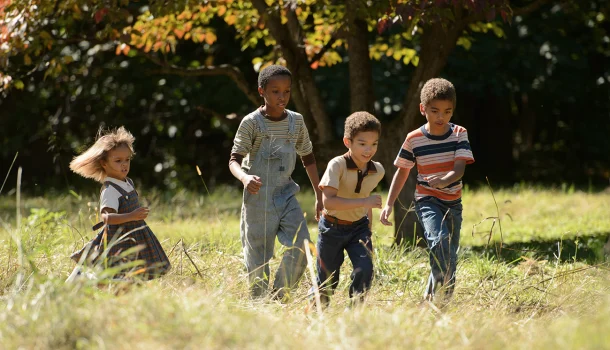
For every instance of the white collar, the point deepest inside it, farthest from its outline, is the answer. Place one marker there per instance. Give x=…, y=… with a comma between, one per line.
x=124, y=184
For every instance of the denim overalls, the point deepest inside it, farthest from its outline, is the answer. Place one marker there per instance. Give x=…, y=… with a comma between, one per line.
x=274, y=211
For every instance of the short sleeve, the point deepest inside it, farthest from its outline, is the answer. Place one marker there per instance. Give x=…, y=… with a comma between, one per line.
x=463, y=150
x=303, y=146
x=109, y=198
x=244, y=137
x=405, y=158
x=332, y=175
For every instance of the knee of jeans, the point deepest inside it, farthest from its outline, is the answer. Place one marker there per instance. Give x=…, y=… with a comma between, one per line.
x=364, y=270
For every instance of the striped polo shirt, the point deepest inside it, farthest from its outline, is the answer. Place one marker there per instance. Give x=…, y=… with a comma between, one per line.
x=435, y=155
x=248, y=138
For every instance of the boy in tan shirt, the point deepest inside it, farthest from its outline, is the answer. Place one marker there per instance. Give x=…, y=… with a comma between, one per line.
x=346, y=222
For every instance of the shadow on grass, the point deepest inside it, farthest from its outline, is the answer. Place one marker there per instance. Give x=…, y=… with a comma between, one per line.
x=589, y=249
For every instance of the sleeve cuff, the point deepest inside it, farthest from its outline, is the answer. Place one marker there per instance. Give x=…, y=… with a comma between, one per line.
x=308, y=159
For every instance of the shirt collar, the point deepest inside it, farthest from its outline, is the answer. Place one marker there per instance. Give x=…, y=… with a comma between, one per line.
x=124, y=184
x=351, y=165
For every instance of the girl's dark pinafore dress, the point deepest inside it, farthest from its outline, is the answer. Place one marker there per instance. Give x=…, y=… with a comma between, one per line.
x=151, y=252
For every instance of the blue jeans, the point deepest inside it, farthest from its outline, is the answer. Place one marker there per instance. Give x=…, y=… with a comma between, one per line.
x=442, y=223
x=333, y=240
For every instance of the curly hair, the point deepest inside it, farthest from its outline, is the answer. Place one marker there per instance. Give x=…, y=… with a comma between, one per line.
x=271, y=71
x=437, y=89
x=88, y=164
x=360, y=122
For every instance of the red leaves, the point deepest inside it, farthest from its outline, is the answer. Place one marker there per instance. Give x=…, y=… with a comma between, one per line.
x=100, y=14
x=382, y=25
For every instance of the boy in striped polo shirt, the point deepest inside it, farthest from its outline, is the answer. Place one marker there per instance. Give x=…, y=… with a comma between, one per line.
x=441, y=151
x=263, y=158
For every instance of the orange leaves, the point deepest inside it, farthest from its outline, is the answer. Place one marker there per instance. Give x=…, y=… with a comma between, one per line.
x=230, y=19
x=179, y=33
x=221, y=10
x=210, y=38
x=163, y=33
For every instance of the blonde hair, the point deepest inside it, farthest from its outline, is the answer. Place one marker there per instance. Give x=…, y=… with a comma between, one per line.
x=89, y=163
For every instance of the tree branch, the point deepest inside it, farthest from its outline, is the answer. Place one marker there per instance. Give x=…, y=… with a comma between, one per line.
x=520, y=11
x=224, y=69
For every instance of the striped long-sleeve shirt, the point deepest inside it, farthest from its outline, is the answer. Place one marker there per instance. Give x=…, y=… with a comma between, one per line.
x=435, y=155
x=248, y=139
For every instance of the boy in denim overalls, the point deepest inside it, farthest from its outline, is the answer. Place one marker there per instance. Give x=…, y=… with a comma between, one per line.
x=348, y=205
x=441, y=151
x=270, y=139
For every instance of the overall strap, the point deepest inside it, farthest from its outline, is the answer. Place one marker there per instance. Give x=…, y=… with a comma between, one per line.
x=117, y=187
x=291, y=123
x=260, y=120
x=130, y=181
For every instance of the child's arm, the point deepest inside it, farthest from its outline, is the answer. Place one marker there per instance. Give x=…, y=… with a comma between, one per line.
x=400, y=177
x=312, y=173
x=251, y=182
x=442, y=181
x=110, y=216
x=334, y=202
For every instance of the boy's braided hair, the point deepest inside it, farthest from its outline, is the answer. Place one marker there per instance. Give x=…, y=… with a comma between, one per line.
x=437, y=89
x=360, y=122
x=272, y=71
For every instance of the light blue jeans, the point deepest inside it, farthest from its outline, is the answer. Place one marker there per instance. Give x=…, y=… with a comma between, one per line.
x=442, y=222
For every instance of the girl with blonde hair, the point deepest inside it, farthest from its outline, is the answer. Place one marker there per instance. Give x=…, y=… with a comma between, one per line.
x=124, y=235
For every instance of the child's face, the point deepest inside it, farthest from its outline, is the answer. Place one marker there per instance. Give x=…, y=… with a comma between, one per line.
x=276, y=93
x=117, y=162
x=438, y=114
x=362, y=146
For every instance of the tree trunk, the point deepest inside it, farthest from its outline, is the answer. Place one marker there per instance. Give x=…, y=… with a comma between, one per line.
x=308, y=99
x=436, y=45
x=362, y=96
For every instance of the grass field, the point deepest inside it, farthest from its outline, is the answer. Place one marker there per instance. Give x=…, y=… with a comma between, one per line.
x=529, y=302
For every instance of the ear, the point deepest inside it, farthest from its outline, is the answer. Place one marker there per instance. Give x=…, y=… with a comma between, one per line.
x=261, y=91
x=347, y=142
x=422, y=109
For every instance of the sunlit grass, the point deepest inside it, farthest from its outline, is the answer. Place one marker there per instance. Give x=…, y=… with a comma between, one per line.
x=527, y=303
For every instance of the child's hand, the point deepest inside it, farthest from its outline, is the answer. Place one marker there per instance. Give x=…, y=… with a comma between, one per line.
x=139, y=214
x=319, y=208
x=436, y=181
x=373, y=201
x=252, y=183
x=385, y=215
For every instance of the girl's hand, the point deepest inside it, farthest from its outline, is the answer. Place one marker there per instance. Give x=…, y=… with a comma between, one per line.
x=139, y=214
x=252, y=183
x=385, y=215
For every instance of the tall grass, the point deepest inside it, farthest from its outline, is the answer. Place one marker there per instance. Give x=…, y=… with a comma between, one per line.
x=203, y=302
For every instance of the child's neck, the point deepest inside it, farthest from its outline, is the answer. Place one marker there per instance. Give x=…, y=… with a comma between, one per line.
x=437, y=131
x=361, y=166
x=272, y=113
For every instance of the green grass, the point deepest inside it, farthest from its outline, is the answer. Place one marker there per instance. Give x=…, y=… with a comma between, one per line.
x=526, y=303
